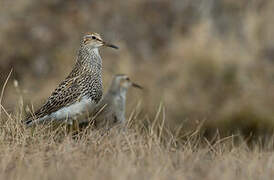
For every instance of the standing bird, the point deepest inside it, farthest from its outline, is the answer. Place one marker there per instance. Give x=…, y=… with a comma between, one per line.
x=79, y=93
x=112, y=108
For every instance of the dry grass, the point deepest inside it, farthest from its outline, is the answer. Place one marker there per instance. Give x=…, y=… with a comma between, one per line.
x=208, y=63
x=144, y=150
x=206, y=60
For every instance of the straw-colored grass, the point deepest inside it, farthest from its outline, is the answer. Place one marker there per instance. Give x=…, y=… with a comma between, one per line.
x=207, y=108
x=143, y=150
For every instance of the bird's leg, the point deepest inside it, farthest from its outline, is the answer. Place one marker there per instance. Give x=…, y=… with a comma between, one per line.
x=76, y=125
x=69, y=124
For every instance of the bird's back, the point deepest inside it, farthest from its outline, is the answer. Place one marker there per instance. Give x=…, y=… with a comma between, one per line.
x=82, y=82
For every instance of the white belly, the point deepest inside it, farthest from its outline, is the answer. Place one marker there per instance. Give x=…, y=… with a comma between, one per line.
x=78, y=110
x=73, y=110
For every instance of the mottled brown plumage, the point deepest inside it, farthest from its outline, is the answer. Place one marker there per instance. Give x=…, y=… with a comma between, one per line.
x=82, y=88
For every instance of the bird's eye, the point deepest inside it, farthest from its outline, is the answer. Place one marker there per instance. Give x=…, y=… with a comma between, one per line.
x=93, y=37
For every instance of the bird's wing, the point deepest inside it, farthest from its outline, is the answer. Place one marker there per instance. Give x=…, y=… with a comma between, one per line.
x=65, y=94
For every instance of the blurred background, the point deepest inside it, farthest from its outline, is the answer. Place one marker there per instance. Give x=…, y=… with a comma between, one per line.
x=209, y=61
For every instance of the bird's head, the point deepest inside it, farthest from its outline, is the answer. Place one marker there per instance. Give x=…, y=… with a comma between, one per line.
x=124, y=82
x=94, y=40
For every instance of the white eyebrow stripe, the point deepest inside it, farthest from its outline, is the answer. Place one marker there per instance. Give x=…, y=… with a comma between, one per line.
x=88, y=36
x=92, y=35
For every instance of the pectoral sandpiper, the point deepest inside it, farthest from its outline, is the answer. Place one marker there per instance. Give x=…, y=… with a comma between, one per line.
x=79, y=93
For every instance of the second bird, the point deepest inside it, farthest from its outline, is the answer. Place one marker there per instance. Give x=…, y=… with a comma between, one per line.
x=112, y=108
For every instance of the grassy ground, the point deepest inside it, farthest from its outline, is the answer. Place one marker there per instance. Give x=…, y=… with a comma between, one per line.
x=141, y=151
x=209, y=60
x=208, y=64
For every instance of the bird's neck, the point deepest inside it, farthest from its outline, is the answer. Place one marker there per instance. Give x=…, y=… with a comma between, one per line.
x=123, y=92
x=118, y=91
x=118, y=98
x=89, y=58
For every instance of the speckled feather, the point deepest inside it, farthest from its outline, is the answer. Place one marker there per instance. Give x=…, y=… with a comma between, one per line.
x=74, y=87
x=84, y=81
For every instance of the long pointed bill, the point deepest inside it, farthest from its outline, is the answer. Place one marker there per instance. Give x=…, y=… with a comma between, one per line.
x=137, y=86
x=110, y=45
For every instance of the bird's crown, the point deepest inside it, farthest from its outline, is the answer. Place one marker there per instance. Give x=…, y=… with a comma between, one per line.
x=94, y=40
x=124, y=81
x=92, y=37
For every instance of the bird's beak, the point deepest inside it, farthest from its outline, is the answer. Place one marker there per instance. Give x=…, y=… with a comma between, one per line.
x=110, y=45
x=137, y=86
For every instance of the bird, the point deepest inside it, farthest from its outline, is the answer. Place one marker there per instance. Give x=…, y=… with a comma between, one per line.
x=112, y=107
x=81, y=90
